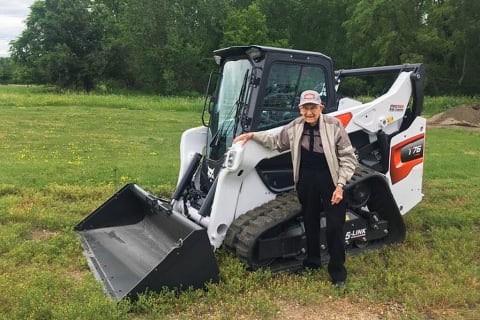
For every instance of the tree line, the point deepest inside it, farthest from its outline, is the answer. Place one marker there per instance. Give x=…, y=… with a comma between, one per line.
x=165, y=46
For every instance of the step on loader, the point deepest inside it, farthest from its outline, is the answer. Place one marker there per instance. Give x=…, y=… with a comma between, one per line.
x=242, y=196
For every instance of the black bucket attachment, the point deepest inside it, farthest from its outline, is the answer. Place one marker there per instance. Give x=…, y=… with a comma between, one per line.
x=134, y=242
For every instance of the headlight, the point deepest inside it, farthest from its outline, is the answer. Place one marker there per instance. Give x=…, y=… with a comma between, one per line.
x=230, y=159
x=234, y=157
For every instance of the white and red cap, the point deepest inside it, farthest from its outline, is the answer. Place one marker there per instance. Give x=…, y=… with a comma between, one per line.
x=310, y=97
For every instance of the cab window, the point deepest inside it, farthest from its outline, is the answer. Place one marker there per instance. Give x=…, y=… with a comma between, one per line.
x=282, y=95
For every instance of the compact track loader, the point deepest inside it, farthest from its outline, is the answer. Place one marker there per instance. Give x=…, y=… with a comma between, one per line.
x=242, y=196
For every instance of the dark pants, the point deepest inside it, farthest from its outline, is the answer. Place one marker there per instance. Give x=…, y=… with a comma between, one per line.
x=315, y=189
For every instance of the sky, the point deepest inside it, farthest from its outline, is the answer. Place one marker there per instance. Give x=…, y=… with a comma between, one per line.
x=12, y=21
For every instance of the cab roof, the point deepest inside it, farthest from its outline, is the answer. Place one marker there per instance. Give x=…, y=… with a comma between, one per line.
x=236, y=51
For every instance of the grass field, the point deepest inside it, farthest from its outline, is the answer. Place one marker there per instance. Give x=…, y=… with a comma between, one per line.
x=62, y=155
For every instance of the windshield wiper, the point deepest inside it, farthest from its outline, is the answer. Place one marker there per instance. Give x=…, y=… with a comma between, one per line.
x=241, y=100
x=237, y=106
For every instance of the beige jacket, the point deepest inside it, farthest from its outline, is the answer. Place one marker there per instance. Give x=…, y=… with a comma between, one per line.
x=335, y=141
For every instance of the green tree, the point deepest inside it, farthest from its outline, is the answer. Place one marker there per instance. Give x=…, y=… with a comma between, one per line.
x=318, y=26
x=165, y=46
x=449, y=43
x=140, y=44
x=382, y=32
x=443, y=34
x=7, y=69
x=246, y=26
x=279, y=19
x=61, y=43
x=113, y=54
x=195, y=29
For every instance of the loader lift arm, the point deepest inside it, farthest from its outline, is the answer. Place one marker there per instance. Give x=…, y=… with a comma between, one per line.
x=418, y=73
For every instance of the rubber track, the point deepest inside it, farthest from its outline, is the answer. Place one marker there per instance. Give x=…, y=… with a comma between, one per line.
x=248, y=228
x=245, y=231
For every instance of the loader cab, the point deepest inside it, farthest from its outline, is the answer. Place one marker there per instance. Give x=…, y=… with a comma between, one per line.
x=258, y=88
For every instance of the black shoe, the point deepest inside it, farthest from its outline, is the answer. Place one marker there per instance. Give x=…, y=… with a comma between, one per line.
x=306, y=268
x=339, y=284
